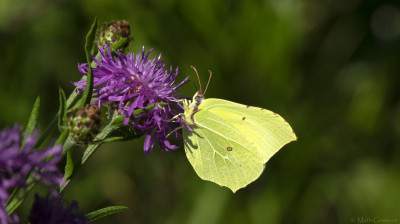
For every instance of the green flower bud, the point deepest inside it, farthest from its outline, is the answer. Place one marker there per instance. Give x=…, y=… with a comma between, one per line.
x=113, y=32
x=85, y=124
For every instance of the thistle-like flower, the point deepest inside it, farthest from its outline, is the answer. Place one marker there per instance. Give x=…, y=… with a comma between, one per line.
x=51, y=209
x=135, y=82
x=16, y=163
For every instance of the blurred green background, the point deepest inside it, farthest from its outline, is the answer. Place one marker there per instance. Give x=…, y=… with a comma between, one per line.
x=330, y=68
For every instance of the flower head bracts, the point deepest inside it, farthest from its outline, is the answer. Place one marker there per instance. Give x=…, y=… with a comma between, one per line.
x=135, y=82
x=16, y=164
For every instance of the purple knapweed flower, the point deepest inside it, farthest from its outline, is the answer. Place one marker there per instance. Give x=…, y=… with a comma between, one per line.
x=17, y=163
x=51, y=209
x=135, y=82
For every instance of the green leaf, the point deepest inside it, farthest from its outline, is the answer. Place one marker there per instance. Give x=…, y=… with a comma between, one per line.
x=89, y=46
x=46, y=132
x=118, y=121
x=93, y=216
x=18, y=196
x=119, y=43
x=92, y=148
x=63, y=109
x=111, y=139
x=87, y=94
x=69, y=166
x=72, y=99
x=61, y=139
x=90, y=43
x=68, y=144
x=16, y=199
x=30, y=127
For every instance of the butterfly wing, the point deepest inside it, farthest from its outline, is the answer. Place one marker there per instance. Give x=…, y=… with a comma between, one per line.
x=231, y=142
x=266, y=129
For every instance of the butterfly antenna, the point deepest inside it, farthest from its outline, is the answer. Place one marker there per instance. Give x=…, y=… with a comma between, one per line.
x=209, y=78
x=198, y=78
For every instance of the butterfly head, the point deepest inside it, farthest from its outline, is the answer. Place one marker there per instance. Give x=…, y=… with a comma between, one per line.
x=198, y=98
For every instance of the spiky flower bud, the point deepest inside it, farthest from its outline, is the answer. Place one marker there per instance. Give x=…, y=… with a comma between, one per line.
x=114, y=32
x=85, y=123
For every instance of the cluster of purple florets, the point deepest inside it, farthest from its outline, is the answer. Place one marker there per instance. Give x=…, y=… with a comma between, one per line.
x=52, y=209
x=135, y=82
x=17, y=162
x=127, y=82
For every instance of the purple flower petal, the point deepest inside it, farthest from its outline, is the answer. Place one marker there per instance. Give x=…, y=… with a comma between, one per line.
x=55, y=210
x=135, y=82
x=16, y=164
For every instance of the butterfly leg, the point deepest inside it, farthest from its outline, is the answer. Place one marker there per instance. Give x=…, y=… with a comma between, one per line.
x=173, y=131
x=183, y=101
x=173, y=119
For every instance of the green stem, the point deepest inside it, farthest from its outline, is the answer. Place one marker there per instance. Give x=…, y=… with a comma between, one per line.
x=90, y=150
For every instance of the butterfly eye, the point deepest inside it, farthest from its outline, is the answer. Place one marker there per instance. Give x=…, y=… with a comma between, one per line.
x=198, y=98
